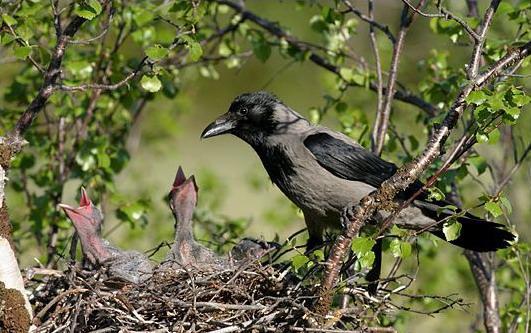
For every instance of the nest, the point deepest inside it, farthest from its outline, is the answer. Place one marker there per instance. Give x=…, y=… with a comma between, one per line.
x=252, y=298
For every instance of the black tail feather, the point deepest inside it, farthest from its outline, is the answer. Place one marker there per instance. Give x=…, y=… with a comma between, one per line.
x=479, y=235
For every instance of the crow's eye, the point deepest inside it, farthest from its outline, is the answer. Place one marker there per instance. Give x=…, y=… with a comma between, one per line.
x=243, y=111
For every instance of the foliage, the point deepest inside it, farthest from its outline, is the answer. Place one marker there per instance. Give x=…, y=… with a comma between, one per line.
x=130, y=54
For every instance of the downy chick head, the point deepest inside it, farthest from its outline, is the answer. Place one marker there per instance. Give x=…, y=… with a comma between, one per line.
x=87, y=220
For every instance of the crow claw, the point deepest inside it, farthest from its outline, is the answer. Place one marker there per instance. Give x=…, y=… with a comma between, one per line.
x=347, y=215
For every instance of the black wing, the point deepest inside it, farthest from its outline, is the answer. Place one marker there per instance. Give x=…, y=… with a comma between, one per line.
x=352, y=162
x=349, y=161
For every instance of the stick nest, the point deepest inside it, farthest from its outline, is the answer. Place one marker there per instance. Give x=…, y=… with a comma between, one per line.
x=245, y=298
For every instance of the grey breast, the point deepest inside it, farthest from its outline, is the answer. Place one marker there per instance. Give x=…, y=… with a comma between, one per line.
x=312, y=188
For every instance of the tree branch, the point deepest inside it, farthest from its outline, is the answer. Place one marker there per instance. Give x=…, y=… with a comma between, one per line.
x=377, y=60
x=100, y=86
x=370, y=20
x=50, y=77
x=382, y=198
x=382, y=117
x=272, y=28
x=481, y=265
x=446, y=14
x=473, y=66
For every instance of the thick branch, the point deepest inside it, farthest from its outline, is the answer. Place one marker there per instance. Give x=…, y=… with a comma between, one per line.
x=273, y=29
x=382, y=198
x=482, y=270
x=50, y=77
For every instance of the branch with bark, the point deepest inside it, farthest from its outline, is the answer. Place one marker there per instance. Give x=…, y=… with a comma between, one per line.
x=382, y=198
x=382, y=116
x=9, y=147
x=401, y=95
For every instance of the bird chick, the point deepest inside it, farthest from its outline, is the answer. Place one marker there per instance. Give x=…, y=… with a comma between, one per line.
x=250, y=249
x=131, y=266
x=185, y=250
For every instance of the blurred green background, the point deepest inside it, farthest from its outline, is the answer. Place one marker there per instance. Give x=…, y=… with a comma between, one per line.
x=231, y=179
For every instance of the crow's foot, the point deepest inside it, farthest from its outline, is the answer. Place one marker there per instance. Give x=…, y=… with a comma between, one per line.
x=347, y=215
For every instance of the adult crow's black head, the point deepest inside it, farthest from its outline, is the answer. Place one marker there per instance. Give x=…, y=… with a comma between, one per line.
x=252, y=116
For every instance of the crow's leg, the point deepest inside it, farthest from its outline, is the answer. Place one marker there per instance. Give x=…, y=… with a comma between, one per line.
x=373, y=276
x=315, y=232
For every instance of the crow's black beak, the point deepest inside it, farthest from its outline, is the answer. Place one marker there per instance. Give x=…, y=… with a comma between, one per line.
x=220, y=126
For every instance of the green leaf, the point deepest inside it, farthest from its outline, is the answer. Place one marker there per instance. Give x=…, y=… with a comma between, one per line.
x=476, y=97
x=132, y=213
x=318, y=255
x=22, y=52
x=104, y=160
x=157, y=52
x=514, y=112
x=9, y=20
x=452, y=230
x=362, y=245
x=366, y=259
x=482, y=137
x=85, y=160
x=493, y=208
x=261, y=48
x=494, y=136
x=150, y=83
x=413, y=142
x=341, y=107
x=346, y=73
x=85, y=12
x=506, y=203
x=521, y=99
x=194, y=48
x=298, y=261
x=209, y=72
x=224, y=49
x=479, y=163
x=505, y=8
x=496, y=102
x=81, y=69
x=315, y=116
x=352, y=76
x=24, y=32
x=435, y=193
x=95, y=5
x=142, y=17
x=6, y=39
x=400, y=249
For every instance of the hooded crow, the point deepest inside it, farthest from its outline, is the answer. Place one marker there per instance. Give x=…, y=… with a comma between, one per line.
x=323, y=171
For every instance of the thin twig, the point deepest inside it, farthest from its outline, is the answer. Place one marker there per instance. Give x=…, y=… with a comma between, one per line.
x=99, y=86
x=370, y=19
x=473, y=65
x=401, y=95
x=374, y=46
x=382, y=117
x=446, y=14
